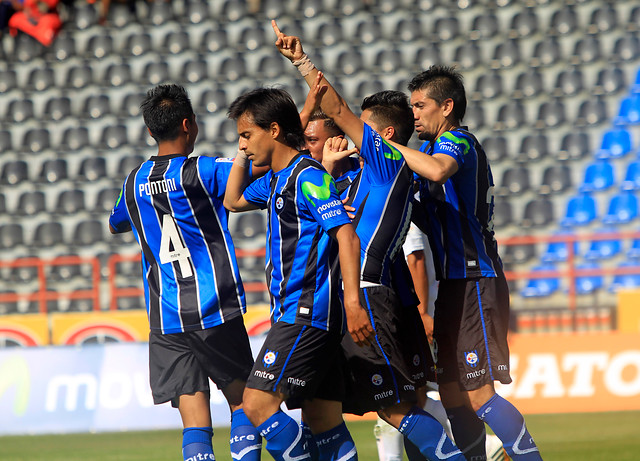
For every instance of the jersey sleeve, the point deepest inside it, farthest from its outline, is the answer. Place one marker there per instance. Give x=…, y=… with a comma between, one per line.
x=319, y=196
x=258, y=191
x=119, y=218
x=453, y=144
x=380, y=157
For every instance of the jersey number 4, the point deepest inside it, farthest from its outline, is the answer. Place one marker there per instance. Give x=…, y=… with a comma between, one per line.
x=171, y=247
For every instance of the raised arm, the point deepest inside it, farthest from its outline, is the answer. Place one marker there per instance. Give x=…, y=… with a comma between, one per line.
x=436, y=168
x=349, y=254
x=332, y=103
x=238, y=180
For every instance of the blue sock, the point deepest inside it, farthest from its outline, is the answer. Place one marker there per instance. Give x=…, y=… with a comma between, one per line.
x=245, y=442
x=284, y=437
x=469, y=432
x=196, y=444
x=429, y=436
x=309, y=440
x=336, y=444
x=508, y=424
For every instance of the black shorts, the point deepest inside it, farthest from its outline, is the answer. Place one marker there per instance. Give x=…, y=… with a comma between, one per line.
x=471, y=321
x=182, y=363
x=301, y=362
x=389, y=371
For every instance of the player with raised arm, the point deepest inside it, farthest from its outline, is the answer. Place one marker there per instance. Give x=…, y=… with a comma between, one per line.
x=456, y=195
x=300, y=361
x=384, y=371
x=193, y=291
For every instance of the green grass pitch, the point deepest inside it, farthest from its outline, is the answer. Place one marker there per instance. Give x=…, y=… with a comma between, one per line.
x=563, y=437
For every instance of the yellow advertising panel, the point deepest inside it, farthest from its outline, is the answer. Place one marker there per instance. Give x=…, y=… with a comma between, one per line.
x=75, y=328
x=25, y=329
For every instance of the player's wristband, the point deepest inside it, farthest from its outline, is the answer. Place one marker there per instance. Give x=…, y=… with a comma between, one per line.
x=304, y=65
x=241, y=159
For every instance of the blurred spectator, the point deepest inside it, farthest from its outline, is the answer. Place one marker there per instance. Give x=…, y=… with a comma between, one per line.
x=7, y=8
x=38, y=18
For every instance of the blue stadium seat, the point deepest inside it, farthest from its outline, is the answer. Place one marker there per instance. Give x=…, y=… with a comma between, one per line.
x=559, y=251
x=581, y=210
x=631, y=179
x=635, y=87
x=634, y=250
x=588, y=284
x=603, y=249
x=622, y=209
x=541, y=287
x=616, y=143
x=598, y=176
x=626, y=281
x=629, y=112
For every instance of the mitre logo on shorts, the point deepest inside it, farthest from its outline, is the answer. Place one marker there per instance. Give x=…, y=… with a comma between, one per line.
x=416, y=360
x=376, y=379
x=279, y=202
x=269, y=358
x=471, y=358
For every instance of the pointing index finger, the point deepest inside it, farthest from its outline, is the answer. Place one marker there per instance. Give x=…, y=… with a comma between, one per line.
x=276, y=29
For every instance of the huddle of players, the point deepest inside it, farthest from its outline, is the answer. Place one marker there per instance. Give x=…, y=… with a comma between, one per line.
x=328, y=272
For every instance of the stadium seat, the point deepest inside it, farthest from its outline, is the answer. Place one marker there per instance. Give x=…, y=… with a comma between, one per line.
x=633, y=19
x=506, y=55
x=635, y=87
x=8, y=80
x=14, y=172
x=20, y=110
x=88, y=232
x=488, y=86
x=253, y=36
x=626, y=48
x=497, y=148
x=271, y=66
x=57, y=108
x=176, y=42
x=622, y=209
x=446, y=28
x=60, y=271
x=623, y=280
x=196, y=11
x=156, y=72
x=249, y=226
x=11, y=236
x=130, y=104
x=616, y=143
x=502, y=213
x=137, y=44
x=551, y=114
x=70, y=201
x=555, y=179
x=96, y=106
x=386, y=61
x=629, y=112
x=128, y=163
x=558, y=251
x=598, y=176
x=41, y=79
x=54, y=170
x=233, y=68
x=6, y=140
x=533, y=148
x=564, y=21
x=234, y=10
x=610, y=80
x=368, y=31
x=631, y=179
x=48, y=234
x=85, y=16
x=515, y=181
x=117, y=75
x=106, y=199
x=634, y=249
x=586, y=50
x=63, y=47
x=159, y=13
x=426, y=56
x=212, y=101
x=475, y=117
x=575, y=146
x=8, y=306
x=538, y=212
x=79, y=76
x=485, y=26
x=27, y=48
x=114, y=136
x=36, y=140
x=92, y=169
x=603, y=249
x=75, y=138
x=408, y=30
x=569, y=82
x=592, y=112
x=528, y=84
x=602, y=20
x=99, y=46
x=524, y=23
x=122, y=14
x=541, y=287
x=588, y=284
x=547, y=52
x=215, y=39
x=196, y=71
x=581, y=210
x=468, y=55
x=31, y=203
x=511, y=115
x=3, y=204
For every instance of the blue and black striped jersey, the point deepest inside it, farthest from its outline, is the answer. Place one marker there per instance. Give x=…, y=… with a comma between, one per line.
x=302, y=259
x=381, y=195
x=459, y=213
x=173, y=204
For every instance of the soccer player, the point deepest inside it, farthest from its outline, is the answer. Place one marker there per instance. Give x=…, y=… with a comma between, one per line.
x=300, y=359
x=382, y=375
x=456, y=195
x=193, y=292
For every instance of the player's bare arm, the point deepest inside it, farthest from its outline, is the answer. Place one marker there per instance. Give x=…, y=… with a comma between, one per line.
x=238, y=180
x=437, y=168
x=332, y=103
x=311, y=104
x=349, y=255
x=418, y=270
x=334, y=150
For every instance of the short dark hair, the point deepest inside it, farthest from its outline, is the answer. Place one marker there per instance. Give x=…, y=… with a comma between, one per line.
x=163, y=110
x=443, y=82
x=268, y=105
x=329, y=124
x=391, y=108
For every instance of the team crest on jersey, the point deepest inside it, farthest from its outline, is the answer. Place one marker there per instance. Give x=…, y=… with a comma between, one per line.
x=416, y=360
x=471, y=358
x=377, y=380
x=269, y=358
x=279, y=202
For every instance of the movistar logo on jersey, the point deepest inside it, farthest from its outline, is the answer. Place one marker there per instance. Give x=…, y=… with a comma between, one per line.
x=314, y=192
x=459, y=141
x=393, y=154
x=119, y=198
